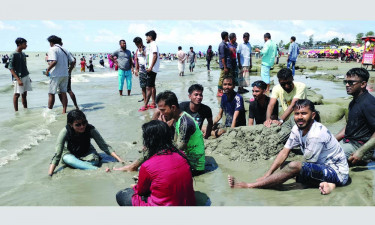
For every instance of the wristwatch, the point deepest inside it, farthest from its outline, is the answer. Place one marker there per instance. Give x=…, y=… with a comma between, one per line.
x=281, y=121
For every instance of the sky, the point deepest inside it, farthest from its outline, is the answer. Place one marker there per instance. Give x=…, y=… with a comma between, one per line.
x=103, y=35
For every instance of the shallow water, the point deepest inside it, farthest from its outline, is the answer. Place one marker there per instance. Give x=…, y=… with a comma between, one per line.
x=27, y=141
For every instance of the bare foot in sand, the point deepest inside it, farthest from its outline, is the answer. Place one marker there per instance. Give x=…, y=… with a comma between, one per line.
x=107, y=170
x=326, y=188
x=127, y=168
x=232, y=183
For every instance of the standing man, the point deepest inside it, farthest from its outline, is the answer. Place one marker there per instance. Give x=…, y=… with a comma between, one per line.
x=269, y=52
x=192, y=59
x=358, y=136
x=233, y=71
x=288, y=92
x=181, y=56
x=125, y=64
x=223, y=52
x=197, y=109
x=325, y=164
x=63, y=63
x=18, y=69
x=244, y=63
x=293, y=53
x=152, y=68
x=209, y=55
x=140, y=65
x=258, y=107
x=233, y=107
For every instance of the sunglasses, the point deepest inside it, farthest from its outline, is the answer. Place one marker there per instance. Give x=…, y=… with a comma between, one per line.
x=289, y=83
x=84, y=123
x=351, y=82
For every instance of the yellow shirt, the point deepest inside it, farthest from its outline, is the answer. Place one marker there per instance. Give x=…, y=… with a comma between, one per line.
x=299, y=91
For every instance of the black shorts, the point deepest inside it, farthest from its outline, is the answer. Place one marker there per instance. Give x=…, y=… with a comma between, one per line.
x=151, y=76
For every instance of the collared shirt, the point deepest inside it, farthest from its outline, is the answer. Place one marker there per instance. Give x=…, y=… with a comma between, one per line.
x=269, y=52
x=293, y=52
x=321, y=147
x=361, y=118
x=63, y=59
x=245, y=53
x=124, y=58
x=224, y=54
x=258, y=112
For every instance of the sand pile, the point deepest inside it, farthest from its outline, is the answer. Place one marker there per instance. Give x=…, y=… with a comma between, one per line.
x=249, y=143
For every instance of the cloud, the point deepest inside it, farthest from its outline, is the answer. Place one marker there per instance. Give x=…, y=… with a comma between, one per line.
x=3, y=26
x=51, y=25
x=329, y=35
x=76, y=25
x=138, y=29
x=105, y=36
x=308, y=32
x=298, y=22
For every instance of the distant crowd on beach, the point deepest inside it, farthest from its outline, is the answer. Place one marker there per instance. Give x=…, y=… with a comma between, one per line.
x=173, y=140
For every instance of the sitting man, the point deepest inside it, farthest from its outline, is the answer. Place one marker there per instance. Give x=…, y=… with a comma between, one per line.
x=325, y=164
x=288, y=92
x=233, y=107
x=187, y=136
x=197, y=109
x=359, y=133
x=258, y=107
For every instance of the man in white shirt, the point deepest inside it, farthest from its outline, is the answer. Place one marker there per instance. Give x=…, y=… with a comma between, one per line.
x=152, y=68
x=181, y=61
x=62, y=63
x=325, y=161
x=244, y=63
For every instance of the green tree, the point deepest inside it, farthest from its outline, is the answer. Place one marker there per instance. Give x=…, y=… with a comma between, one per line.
x=342, y=41
x=334, y=41
x=370, y=33
x=359, y=38
x=311, y=40
x=287, y=46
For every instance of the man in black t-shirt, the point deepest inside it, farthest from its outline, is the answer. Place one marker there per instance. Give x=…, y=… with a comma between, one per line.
x=358, y=136
x=197, y=110
x=258, y=107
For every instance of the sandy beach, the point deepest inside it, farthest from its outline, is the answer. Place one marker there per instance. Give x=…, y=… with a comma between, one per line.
x=24, y=161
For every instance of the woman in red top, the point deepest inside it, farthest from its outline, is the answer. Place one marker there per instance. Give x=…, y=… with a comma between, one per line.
x=165, y=177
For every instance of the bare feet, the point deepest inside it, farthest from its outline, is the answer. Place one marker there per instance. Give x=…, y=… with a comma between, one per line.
x=232, y=183
x=326, y=188
x=127, y=168
x=107, y=170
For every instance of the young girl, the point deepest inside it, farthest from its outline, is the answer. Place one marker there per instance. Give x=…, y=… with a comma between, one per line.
x=79, y=153
x=165, y=177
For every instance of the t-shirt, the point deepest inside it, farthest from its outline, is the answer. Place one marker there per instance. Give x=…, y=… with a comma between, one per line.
x=124, y=58
x=203, y=113
x=321, y=147
x=259, y=113
x=18, y=63
x=63, y=60
x=224, y=54
x=188, y=132
x=191, y=56
x=230, y=106
x=245, y=52
x=83, y=64
x=151, y=49
x=361, y=118
x=181, y=56
x=141, y=56
x=299, y=91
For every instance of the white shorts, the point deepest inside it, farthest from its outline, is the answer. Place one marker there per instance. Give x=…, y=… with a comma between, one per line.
x=58, y=82
x=26, y=85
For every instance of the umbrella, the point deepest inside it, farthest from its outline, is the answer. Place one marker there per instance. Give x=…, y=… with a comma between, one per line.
x=334, y=51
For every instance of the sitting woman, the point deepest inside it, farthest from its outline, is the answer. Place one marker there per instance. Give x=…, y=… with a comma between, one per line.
x=165, y=177
x=79, y=153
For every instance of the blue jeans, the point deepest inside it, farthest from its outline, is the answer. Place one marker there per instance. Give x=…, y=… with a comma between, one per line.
x=72, y=161
x=293, y=66
x=312, y=173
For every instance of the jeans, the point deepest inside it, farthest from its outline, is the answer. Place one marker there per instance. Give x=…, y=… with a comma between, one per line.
x=208, y=64
x=293, y=66
x=72, y=161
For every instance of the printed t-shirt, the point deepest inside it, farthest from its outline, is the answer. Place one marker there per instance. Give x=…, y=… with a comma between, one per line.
x=230, y=106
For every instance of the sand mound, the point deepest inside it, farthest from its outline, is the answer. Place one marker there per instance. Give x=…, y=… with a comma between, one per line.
x=249, y=143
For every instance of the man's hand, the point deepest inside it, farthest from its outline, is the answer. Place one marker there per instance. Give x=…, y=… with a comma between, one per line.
x=226, y=71
x=267, y=123
x=20, y=82
x=257, y=50
x=149, y=70
x=355, y=157
x=276, y=122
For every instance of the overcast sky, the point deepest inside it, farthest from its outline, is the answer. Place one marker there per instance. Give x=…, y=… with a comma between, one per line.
x=103, y=36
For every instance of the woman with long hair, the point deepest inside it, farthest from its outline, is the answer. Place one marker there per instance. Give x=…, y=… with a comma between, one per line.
x=165, y=177
x=79, y=153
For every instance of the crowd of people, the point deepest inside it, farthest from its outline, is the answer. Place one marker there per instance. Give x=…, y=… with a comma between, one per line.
x=173, y=140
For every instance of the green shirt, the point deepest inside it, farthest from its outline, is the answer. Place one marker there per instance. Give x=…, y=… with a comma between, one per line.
x=61, y=150
x=188, y=131
x=269, y=52
x=17, y=62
